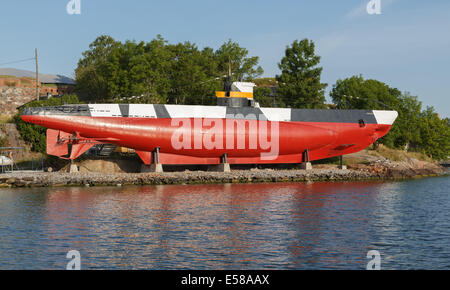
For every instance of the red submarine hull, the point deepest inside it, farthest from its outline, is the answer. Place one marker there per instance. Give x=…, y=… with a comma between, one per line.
x=205, y=134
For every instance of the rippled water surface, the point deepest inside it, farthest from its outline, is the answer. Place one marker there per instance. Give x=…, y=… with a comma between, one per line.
x=249, y=226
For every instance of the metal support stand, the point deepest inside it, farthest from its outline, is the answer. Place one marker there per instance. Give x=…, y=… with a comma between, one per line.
x=341, y=163
x=156, y=166
x=12, y=164
x=225, y=158
x=224, y=166
x=306, y=164
x=156, y=155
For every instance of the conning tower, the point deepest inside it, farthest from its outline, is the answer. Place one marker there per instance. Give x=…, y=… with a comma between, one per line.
x=236, y=94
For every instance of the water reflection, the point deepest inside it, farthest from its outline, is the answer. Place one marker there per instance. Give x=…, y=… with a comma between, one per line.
x=249, y=226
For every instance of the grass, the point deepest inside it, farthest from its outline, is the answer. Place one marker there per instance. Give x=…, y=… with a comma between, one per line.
x=364, y=157
x=421, y=156
x=398, y=155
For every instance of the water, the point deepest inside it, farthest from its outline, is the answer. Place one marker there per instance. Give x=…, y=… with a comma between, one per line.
x=249, y=226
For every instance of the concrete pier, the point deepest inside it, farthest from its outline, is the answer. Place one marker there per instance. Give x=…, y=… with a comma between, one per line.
x=306, y=166
x=153, y=168
x=223, y=167
x=73, y=168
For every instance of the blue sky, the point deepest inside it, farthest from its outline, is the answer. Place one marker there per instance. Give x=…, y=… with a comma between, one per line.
x=407, y=46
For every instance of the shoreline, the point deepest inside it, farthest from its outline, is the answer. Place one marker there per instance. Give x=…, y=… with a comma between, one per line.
x=59, y=179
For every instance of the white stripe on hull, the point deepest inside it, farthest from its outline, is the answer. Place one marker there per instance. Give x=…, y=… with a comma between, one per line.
x=142, y=111
x=277, y=114
x=385, y=117
x=220, y=112
x=184, y=111
x=105, y=110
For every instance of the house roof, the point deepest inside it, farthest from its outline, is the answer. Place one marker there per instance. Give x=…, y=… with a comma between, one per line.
x=43, y=78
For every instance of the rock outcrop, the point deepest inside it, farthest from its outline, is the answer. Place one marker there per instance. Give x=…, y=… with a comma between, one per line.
x=13, y=97
x=13, y=139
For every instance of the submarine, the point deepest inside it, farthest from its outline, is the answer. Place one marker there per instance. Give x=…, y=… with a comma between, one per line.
x=235, y=131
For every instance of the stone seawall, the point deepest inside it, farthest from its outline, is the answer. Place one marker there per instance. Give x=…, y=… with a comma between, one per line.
x=58, y=179
x=11, y=98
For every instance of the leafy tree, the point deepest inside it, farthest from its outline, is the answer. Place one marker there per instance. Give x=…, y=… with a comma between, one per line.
x=357, y=93
x=244, y=68
x=434, y=134
x=192, y=76
x=149, y=73
x=266, y=82
x=299, y=82
x=90, y=73
x=414, y=129
x=403, y=136
x=264, y=96
x=158, y=72
x=267, y=97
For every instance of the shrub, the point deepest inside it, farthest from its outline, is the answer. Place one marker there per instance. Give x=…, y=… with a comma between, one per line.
x=3, y=141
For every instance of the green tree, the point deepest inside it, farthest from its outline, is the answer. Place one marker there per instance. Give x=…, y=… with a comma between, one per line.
x=414, y=129
x=357, y=93
x=264, y=96
x=193, y=74
x=402, y=135
x=267, y=97
x=158, y=72
x=138, y=72
x=299, y=82
x=90, y=73
x=244, y=68
x=434, y=135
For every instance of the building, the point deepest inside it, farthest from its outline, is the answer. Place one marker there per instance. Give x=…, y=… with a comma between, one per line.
x=48, y=83
x=18, y=87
